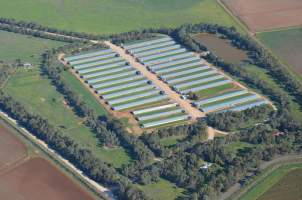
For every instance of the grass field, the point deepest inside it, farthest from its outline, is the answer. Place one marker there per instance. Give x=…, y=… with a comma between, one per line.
x=93, y=16
x=28, y=49
x=37, y=94
x=287, y=45
x=275, y=179
x=162, y=190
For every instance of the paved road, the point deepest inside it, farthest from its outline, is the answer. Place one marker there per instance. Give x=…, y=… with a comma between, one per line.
x=185, y=105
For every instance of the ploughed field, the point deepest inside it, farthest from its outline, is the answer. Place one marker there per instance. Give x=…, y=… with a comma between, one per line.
x=26, y=178
x=37, y=179
x=11, y=149
x=221, y=47
x=287, y=45
x=289, y=187
x=260, y=15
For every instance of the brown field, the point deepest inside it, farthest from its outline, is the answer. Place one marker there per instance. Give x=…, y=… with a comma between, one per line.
x=221, y=47
x=261, y=15
x=37, y=179
x=11, y=149
x=289, y=188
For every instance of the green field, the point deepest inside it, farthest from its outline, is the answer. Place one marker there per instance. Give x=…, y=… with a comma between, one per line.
x=27, y=48
x=37, y=94
x=278, y=179
x=115, y=16
x=287, y=45
x=162, y=190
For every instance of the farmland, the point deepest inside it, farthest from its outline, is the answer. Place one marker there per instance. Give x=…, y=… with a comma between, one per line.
x=9, y=143
x=221, y=48
x=50, y=104
x=92, y=16
x=15, y=44
x=185, y=73
x=24, y=168
x=282, y=183
x=53, y=183
x=287, y=45
x=261, y=15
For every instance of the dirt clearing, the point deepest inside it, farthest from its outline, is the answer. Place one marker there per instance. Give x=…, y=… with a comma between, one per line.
x=37, y=179
x=261, y=15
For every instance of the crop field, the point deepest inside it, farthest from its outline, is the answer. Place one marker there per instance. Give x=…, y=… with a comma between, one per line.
x=123, y=88
x=282, y=183
x=289, y=187
x=221, y=48
x=21, y=183
x=22, y=168
x=259, y=15
x=49, y=103
x=11, y=149
x=287, y=45
x=16, y=46
x=124, y=15
x=185, y=73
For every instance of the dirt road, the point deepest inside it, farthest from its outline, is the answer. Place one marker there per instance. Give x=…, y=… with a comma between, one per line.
x=185, y=105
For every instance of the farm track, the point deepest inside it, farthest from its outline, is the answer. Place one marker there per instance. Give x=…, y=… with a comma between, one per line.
x=185, y=105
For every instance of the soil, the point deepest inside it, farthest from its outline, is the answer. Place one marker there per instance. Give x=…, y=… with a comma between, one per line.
x=11, y=148
x=37, y=179
x=221, y=47
x=261, y=15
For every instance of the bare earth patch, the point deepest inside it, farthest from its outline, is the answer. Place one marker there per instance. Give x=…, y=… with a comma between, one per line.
x=37, y=179
x=261, y=15
x=11, y=149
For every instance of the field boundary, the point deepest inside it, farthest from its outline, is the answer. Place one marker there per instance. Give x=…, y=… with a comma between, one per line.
x=268, y=168
x=242, y=24
x=63, y=164
x=287, y=67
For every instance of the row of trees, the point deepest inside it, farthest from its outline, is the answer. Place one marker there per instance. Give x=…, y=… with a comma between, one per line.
x=231, y=121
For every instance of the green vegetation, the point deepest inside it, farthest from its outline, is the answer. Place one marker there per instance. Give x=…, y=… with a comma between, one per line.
x=237, y=146
x=162, y=190
x=270, y=181
x=77, y=86
x=170, y=141
x=27, y=48
x=287, y=45
x=215, y=91
x=39, y=96
x=92, y=16
x=265, y=76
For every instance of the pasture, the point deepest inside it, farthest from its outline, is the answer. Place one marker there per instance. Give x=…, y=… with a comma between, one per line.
x=287, y=45
x=259, y=15
x=93, y=16
x=27, y=48
x=282, y=183
x=38, y=95
x=21, y=183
